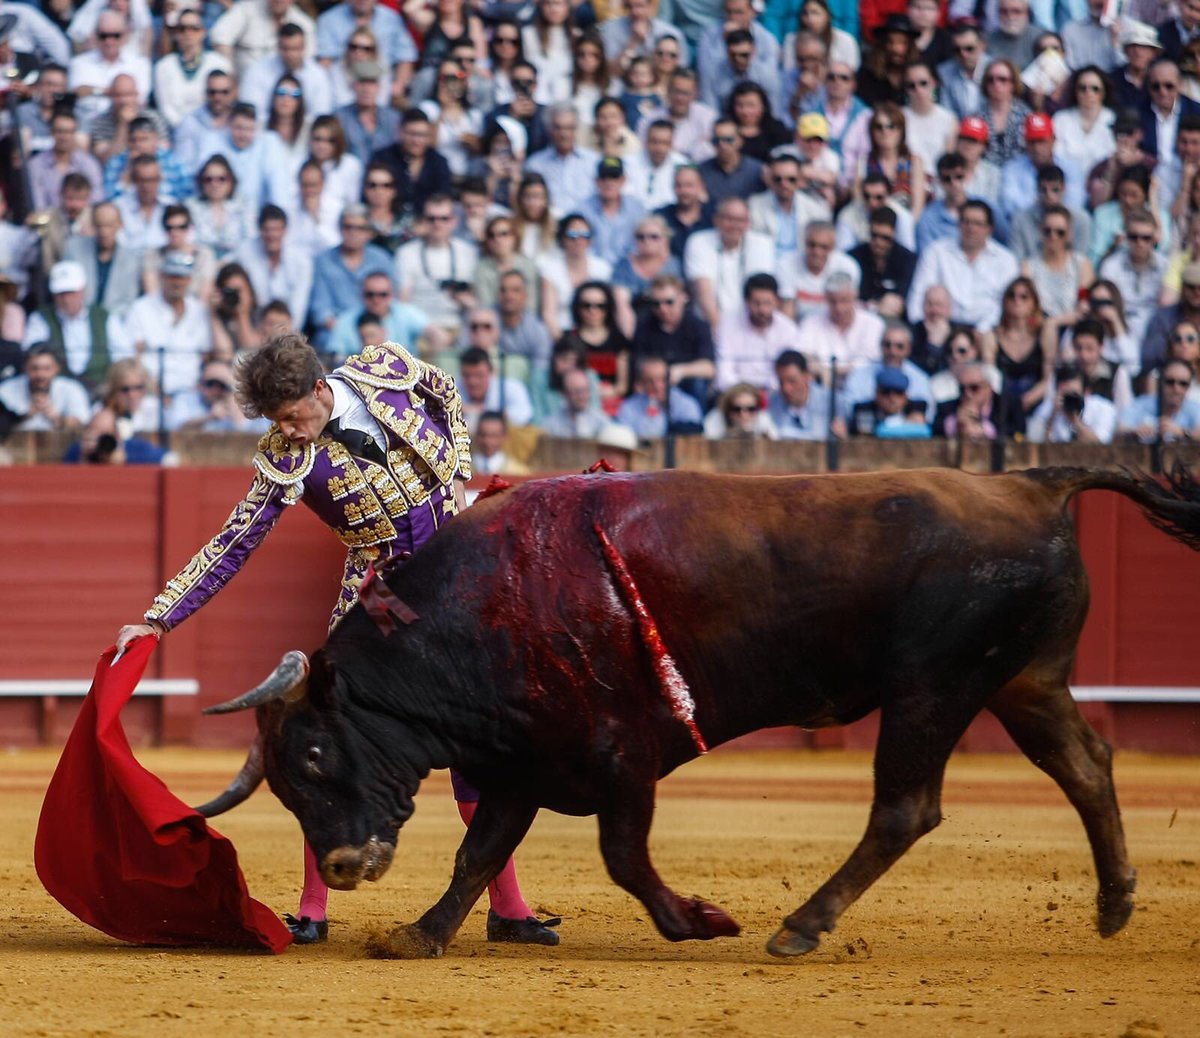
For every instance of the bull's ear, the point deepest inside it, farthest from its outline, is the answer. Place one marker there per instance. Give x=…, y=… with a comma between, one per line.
x=321, y=683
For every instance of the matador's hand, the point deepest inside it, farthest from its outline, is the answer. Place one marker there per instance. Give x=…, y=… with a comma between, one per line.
x=131, y=632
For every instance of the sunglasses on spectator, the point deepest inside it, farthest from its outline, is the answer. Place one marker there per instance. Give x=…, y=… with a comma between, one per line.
x=189, y=27
x=648, y=236
x=286, y=91
x=1181, y=383
x=512, y=41
x=882, y=235
x=844, y=77
x=972, y=387
x=962, y=351
x=216, y=383
x=323, y=139
x=523, y=84
x=355, y=227
x=1054, y=232
x=219, y=91
x=1139, y=237
x=482, y=326
x=574, y=235
x=178, y=226
x=134, y=388
x=452, y=77
x=500, y=232
x=1185, y=338
x=914, y=84
x=787, y=180
x=1090, y=88
x=884, y=126
x=743, y=408
x=666, y=53
x=381, y=183
x=726, y=138
x=593, y=304
x=109, y=35
x=895, y=344
x=966, y=48
x=214, y=178
x=656, y=303
x=1160, y=84
x=377, y=295
x=370, y=47
x=952, y=178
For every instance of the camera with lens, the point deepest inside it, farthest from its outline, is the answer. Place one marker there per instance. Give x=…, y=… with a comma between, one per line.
x=521, y=89
x=1072, y=404
x=231, y=298
x=450, y=285
x=106, y=446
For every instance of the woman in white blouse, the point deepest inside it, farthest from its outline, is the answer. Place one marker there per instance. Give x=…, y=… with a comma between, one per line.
x=1084, y=131
x=343, y=171
x=547, y=46
x=457, y=126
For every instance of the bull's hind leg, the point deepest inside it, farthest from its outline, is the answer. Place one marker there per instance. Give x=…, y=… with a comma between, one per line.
x=1039, y=713
x=496, y=829
x=910, y=762
x=624, y=832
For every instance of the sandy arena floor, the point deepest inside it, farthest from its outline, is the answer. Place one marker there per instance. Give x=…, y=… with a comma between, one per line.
x=985, y=928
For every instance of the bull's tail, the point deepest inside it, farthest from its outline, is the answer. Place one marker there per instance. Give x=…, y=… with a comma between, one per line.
x=1173, y=505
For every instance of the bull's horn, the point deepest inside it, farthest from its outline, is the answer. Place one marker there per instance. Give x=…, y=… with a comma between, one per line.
x=247, y=781
x=288, y=682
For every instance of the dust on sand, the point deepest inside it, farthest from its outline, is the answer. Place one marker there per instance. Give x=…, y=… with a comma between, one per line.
x=986, y=927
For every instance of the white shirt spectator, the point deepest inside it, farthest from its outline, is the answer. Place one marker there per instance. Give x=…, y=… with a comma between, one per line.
x=822, y=340
x=138, y=231
x=151, y=321
x=653, y=186
x=929, y=135
x=552, y=266
x=518, y=407
x=178, y=93
x=258, y=83
x=1044, y=426
x=424, y=268
x=1087, y=147
x=797, y=282
x=36, y=34
x=976, y=287
x=89, y=69
x=747, y=354
x=1139, y=288
x=290, y=281
x=77, y=337
x=248, y=29
x=67, y=396
x=727, y=269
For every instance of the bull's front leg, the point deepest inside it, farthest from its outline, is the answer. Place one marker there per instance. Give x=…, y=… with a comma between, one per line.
x=496, y=829
x=624, y=834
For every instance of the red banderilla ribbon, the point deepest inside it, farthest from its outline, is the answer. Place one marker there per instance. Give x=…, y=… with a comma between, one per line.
x=382, y=604
x=670, y=681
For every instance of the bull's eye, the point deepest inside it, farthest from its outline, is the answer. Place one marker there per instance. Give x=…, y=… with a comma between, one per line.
x=312, y=760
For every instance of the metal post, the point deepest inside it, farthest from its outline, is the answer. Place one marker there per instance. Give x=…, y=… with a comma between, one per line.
x=164, y=437
x=1156, y=448
x=832, y=447
x=669, y=436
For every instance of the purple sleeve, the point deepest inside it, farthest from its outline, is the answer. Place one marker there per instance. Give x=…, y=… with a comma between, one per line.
x=213, y=565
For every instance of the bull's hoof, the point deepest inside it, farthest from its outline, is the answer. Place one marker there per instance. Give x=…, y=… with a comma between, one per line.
x=1114, y=907
x=711, y=921
x=788, y=944
x=403, y=942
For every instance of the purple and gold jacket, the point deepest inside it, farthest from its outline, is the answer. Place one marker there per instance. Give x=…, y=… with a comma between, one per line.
x=376, y=511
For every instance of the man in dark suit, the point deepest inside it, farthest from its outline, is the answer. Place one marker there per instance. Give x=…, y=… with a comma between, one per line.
x=523, y=108
x=1160, y=118
x=419, y=168
x=1176, y=33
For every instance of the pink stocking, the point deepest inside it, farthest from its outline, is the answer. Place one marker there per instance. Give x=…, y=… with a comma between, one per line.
x=315, y=896
x=504, y=891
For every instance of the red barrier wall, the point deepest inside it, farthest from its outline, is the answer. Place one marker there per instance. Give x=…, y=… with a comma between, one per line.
x=85, y=550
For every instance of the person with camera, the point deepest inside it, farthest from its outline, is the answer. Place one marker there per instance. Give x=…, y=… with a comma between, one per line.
x=1072, y=415
x=41, y=398
x=233, y=308
x=435, y=270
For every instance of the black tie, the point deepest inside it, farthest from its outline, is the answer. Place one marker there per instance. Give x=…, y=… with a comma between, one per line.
x=357, y=442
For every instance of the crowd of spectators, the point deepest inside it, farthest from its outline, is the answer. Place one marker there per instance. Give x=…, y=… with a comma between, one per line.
x=795, y=220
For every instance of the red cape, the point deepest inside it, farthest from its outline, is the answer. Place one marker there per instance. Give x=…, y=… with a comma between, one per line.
x=117, y=849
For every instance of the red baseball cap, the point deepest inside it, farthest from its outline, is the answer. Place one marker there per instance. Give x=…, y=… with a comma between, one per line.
x=1038, y=127
x=973, y=128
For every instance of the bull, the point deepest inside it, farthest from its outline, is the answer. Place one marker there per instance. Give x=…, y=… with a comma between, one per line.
x=578, y=638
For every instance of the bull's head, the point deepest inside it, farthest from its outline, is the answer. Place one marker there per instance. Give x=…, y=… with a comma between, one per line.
x=324, y=768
